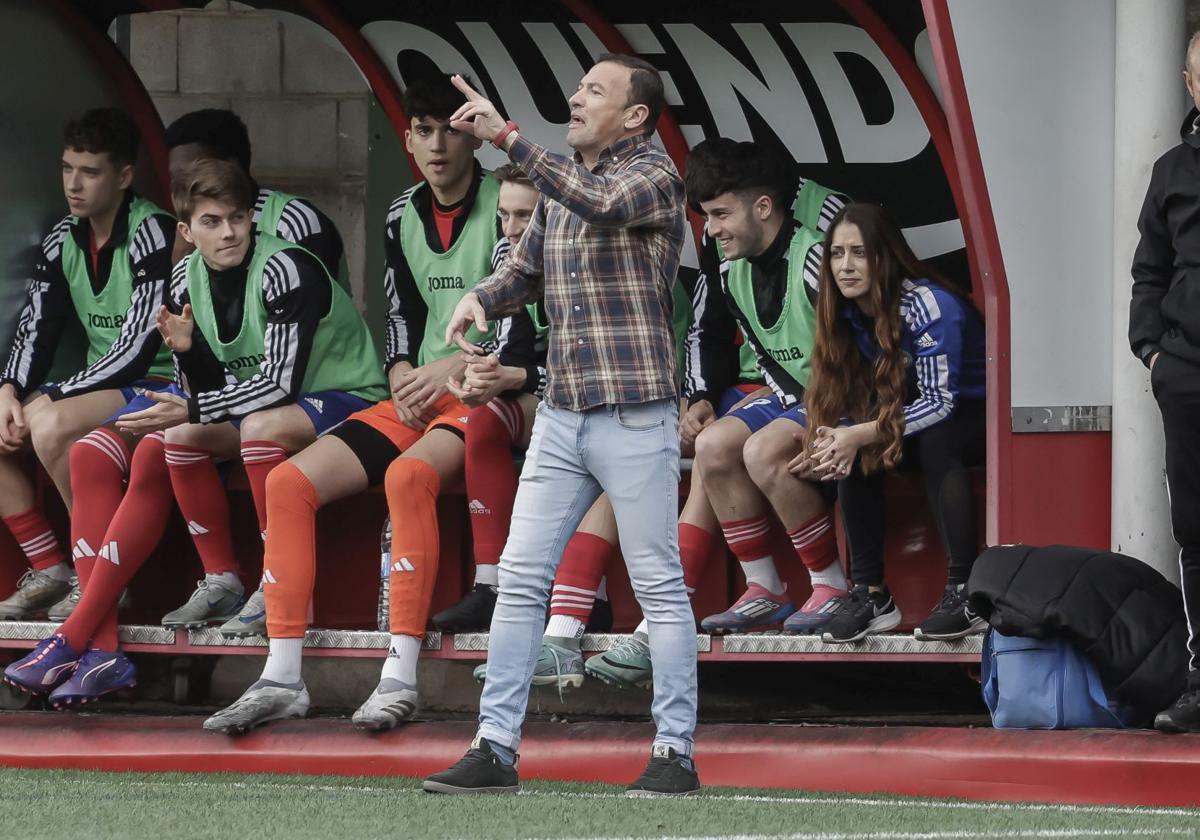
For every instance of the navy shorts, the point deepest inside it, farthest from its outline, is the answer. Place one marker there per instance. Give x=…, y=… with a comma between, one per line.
x=324, y=408
x=135, y=399
x=327, y=409
x=732, y=396
x=758, y=413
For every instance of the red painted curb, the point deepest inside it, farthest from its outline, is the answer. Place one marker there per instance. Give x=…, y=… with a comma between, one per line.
x=1084, y=767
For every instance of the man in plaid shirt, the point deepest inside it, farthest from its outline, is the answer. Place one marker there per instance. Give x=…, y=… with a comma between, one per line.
x=603, y=246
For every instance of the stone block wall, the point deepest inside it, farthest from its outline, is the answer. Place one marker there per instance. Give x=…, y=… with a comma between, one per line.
x=301, y=96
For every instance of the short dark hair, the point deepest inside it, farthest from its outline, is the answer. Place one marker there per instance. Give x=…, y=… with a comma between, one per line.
x=433, y=96
x=510, y=173
x=720, y=165
x=645, y=86
x=108, y=131
x=218, y=180
x=221, y=132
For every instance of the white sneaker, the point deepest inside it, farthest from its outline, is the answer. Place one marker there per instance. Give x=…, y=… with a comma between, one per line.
x=390, y=704
x=264, y=701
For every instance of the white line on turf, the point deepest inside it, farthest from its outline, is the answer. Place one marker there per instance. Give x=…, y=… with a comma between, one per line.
x=1042, y=834
x=719, y=797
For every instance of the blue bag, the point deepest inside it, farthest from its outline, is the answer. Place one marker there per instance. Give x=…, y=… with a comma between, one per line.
x=1046, y=684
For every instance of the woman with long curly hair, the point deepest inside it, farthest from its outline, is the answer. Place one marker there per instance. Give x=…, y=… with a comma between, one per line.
x=897, y=382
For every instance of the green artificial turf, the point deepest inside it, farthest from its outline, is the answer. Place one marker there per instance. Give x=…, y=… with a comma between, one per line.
x=94, y=805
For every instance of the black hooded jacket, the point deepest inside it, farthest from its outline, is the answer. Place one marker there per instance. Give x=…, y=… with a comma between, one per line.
x=1120, y=613
x=1165, y=311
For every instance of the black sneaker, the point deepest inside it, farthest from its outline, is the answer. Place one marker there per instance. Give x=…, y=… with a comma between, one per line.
x=951, y=618
x=601, y=619
x=479, y=771
x=666, y=775
x=472, y=614
x=863, y=613
x=1184, y=716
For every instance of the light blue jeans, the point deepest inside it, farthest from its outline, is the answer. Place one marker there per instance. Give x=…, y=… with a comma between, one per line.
x=630, y=452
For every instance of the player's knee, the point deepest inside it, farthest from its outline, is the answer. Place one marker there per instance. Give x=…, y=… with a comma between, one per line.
x=767, y=453
x=258, y=426
x=186, y=435
x=718, y=450
x=50, y=431
x=408, y=479
x=486, y=429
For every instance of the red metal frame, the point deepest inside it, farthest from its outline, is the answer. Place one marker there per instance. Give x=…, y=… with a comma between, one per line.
x=980, y=227
x=129, y=89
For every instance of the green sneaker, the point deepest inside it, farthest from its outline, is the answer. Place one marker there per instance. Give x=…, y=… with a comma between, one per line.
x=36, y=592
x=560, y=664
x=628, y=664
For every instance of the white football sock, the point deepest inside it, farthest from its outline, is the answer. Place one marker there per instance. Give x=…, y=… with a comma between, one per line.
x=283, y=661
x=488, y=574
x=401, y=662
x=764, y=573
x=565, y=626
x=831, y=575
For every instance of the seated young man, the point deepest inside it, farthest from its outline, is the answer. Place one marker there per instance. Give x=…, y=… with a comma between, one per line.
x=270, y=347
x=442, y=237
x=503, y=390
x=108, y=263
x=769, y=264
x=220, y=134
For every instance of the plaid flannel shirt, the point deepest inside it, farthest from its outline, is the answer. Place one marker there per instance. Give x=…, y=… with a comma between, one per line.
x=603, y=246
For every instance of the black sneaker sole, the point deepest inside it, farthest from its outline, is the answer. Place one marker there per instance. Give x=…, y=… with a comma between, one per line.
x=1170, y=727
x=430, y=786
x=891, y=620
x=654, y=794
x=973, y=630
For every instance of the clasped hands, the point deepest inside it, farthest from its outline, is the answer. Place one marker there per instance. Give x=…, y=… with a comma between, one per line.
x=829, y=456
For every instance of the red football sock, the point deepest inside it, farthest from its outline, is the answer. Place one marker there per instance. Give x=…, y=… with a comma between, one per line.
x=816, y=542
x=490, y=475
x=136, y=528
x=99, y=462
x=202, y=501
x=748, y=539
x=695, y=547
x=579, y=575
x=31, y=530
x=260, y=457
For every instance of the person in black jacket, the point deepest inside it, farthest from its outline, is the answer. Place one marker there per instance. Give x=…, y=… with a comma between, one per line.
x=1164, y=332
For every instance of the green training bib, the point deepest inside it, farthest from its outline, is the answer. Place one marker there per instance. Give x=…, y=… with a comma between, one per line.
x=789, y=340
x=268, y=222
x=343, y=357
x=103, y=314
x=442, y=279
